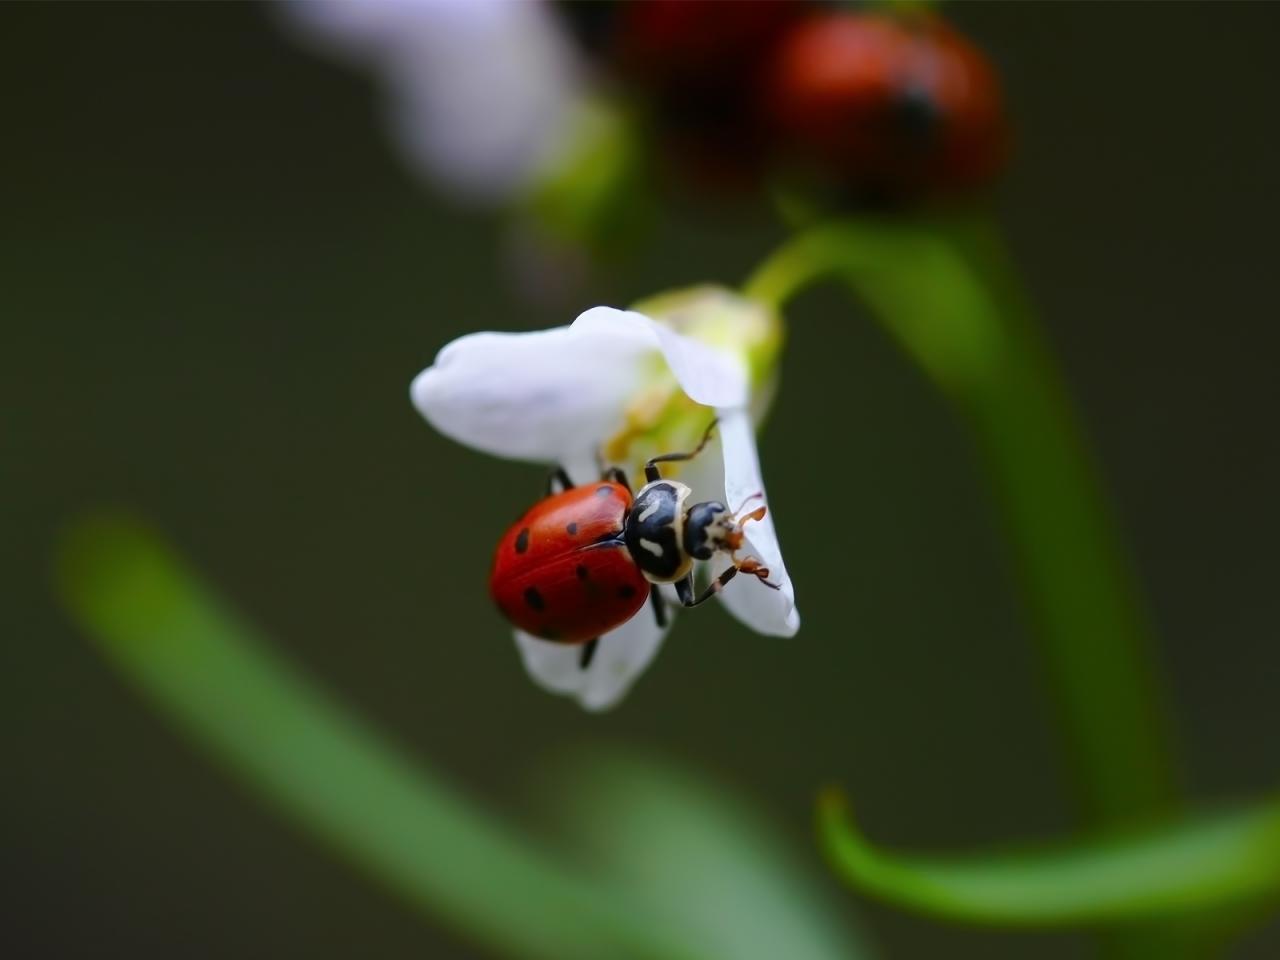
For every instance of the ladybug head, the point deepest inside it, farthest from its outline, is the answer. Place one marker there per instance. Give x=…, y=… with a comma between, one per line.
x=711, y=526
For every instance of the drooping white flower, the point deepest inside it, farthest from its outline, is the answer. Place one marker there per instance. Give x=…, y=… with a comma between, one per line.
x=624, y=386
x=478, y=92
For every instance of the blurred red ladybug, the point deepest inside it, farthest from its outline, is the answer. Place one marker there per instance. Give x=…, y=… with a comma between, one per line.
x=669, y=43
x=888, y=106
x=701, y=66
x=586, y=559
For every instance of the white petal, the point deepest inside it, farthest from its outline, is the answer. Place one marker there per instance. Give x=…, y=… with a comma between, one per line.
x=548, y=396
x=480, y=91
x=377, y=30
x=485, y=103
x=352, y=28
x=766, y=611
x=621, y=657
x=559, y=394
x=709, y=376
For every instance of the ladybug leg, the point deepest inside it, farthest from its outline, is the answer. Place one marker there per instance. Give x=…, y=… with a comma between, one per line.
x=588, y=653
x=616, y=475
x=558, y=476
x=651, y=471
x=684, y=588
x=659, y=605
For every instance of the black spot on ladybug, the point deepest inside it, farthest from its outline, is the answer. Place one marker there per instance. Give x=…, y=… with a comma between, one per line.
x=626, y=591
x=522, y=541
x=572, y=529
x=534, y=599
x=604, y=491
x=583, y=572
x=916, y=115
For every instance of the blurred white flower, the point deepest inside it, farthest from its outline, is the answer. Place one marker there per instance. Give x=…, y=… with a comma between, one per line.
x=479, y=93
x=626, y=386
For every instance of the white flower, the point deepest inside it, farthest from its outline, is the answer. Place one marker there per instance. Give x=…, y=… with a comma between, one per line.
x=624, y=386
x=479, y=92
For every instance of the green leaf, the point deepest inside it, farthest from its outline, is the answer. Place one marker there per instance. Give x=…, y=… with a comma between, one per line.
x=326, y=771
x=691, y=850
x=1229, y=859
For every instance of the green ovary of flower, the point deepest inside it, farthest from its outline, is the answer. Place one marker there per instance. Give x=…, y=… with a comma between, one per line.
x=663, y=418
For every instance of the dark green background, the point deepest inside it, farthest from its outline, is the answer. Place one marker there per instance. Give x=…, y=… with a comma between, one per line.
x=217, y=282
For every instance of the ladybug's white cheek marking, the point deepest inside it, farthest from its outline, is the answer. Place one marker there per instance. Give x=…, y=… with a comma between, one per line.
x=649, y=511
x=654, y=548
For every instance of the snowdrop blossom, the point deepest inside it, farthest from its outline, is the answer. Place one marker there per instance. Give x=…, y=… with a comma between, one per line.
x=479, y=92
x=620, y=386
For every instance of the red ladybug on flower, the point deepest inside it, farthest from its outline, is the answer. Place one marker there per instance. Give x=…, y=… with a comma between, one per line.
x=592, y=576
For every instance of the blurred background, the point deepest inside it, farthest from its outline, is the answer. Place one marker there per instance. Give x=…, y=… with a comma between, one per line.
x=218, y=281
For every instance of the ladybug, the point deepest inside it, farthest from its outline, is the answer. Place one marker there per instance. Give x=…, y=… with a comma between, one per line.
x=700, y=67
x=894, y=106
x=584, y=560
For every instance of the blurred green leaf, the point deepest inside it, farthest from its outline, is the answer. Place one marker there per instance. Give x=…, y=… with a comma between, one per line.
x=215, y=678
x=693, y=851
x=1214, y=861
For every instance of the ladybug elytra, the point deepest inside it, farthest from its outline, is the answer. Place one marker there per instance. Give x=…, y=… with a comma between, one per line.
x=585, y=560
x=895, y=106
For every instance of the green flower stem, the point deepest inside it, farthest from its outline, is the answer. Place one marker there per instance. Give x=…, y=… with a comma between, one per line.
x=946, y=292
x=1228, y=860
x=212, y=674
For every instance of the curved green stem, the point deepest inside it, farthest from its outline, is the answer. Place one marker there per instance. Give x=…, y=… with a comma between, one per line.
x=1176, y=872
x=945, y=291
x=332, y=775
